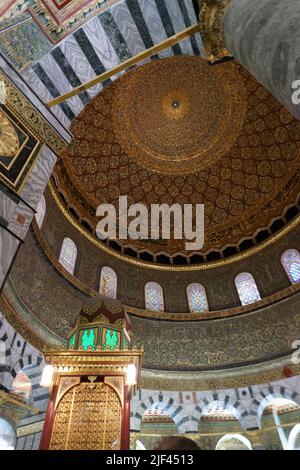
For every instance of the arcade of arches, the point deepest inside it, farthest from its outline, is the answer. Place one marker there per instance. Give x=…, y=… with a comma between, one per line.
x=175, y=102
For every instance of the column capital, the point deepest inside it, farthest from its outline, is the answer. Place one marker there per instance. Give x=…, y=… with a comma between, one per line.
x=211, y=18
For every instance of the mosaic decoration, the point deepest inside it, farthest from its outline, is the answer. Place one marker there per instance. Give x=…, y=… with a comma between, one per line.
x=11, y=8
x=108, y=283
x=154, y=299
x=56, y=18
x=18, y=149
x=291, y=262
x=22, y=41
x=68, y=255
x=247, y=289
x=197, y=298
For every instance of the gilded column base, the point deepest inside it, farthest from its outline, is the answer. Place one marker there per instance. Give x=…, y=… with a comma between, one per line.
x=211, y=18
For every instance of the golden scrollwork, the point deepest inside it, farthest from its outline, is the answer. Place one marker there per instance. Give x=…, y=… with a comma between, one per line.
x=9, y=142
x=33, y=119
x=88, y=418
x=179, y=115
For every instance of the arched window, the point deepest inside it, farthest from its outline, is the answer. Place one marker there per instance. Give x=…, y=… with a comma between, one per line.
x=68, y=255
x=247, y=288
x=154, y=297
x=197, y=298
x=40, y=212
x=290, y=260
x=7, y=435
x=108, y=283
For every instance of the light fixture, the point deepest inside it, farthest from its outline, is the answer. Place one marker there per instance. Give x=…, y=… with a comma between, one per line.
x=47, y=376
x=131, y=375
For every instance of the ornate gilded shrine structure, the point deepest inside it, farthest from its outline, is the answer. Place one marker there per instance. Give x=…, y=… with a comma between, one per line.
x=91, y=387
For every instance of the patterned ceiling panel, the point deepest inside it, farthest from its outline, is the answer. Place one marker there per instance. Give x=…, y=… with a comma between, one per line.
x=105, y=41
x=56, y=18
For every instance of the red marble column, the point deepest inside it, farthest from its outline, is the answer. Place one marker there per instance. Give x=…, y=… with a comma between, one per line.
x=125, y=431
x=49, y=421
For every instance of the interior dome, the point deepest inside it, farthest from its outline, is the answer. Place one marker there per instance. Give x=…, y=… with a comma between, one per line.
x=180, y=131
x=179, y=115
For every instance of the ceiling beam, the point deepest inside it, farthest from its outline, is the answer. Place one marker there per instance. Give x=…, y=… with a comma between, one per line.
x=186, y=33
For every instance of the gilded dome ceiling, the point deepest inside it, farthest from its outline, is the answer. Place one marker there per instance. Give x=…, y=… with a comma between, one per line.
x=180, y=117
x=181, y=131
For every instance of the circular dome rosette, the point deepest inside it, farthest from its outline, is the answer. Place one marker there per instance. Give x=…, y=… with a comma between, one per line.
x=179, y=117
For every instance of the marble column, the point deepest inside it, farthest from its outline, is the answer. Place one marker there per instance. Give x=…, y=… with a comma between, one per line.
x=263, y=36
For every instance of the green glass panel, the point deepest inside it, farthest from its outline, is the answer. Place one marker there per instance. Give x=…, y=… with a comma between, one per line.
x=88, y=339
x=72, y=341
x=111, y=339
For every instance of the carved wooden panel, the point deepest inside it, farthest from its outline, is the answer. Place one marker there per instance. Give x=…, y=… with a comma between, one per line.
x=88, y=417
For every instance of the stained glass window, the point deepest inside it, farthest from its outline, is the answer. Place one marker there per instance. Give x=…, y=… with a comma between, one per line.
x=40, y=212
x=72, y=341
x=68, y=255
x=291, y=262
x=154, y=297
x=247, y=288
x=108, y=283
x=197, y=298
